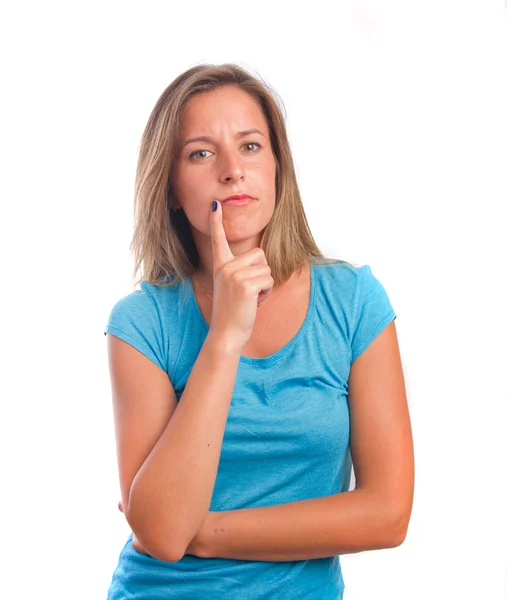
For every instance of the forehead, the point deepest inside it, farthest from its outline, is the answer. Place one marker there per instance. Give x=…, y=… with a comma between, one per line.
x=229, y=107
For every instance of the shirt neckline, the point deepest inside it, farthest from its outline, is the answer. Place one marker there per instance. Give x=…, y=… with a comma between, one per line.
x=267, y=361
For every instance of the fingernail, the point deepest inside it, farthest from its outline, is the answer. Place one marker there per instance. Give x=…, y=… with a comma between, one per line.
x=214, y=206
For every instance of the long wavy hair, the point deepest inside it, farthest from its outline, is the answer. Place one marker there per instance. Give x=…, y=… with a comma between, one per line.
x=162, y=245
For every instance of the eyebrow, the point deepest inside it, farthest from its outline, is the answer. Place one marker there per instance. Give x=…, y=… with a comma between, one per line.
x=206, y=138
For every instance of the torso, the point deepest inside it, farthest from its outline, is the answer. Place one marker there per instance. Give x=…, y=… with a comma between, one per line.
x=278, y=319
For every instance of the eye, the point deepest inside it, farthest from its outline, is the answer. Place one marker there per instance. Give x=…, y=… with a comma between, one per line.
x=197, y=152
x=245, y=144
x=254, y=143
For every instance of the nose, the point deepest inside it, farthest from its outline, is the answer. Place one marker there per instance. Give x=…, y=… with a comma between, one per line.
x=231, y=166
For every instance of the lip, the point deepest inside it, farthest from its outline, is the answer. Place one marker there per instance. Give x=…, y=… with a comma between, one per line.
x=237, y=199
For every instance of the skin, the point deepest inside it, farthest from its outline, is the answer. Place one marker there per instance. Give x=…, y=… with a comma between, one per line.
x=213, y=170
x=224, y=166
x=196, y=545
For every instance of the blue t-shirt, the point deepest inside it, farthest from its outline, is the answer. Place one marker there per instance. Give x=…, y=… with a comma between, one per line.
x=286, y=437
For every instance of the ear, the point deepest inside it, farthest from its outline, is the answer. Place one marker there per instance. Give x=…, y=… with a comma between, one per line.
x=172, y=202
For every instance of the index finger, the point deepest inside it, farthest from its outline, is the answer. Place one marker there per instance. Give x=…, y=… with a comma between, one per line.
x=221, y=252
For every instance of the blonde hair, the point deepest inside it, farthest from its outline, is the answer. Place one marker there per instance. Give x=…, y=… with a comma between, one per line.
x=162, y=243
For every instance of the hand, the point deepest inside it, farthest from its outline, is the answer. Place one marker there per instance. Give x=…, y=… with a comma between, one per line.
x=241, y=284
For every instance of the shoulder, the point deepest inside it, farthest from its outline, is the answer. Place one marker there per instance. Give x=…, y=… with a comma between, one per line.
x=337, y=272
x=359, y=298
x=140, y=303
x=347, y=274
x=144, y=318
x=149, y=299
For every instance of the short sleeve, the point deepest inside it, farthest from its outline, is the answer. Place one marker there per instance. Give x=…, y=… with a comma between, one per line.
x=373, y=311
x=135, y=319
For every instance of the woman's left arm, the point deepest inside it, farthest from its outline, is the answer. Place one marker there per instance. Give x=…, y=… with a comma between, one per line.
x=374, y=515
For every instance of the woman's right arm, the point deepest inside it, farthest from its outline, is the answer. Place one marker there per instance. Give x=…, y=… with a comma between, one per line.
x=168, y=451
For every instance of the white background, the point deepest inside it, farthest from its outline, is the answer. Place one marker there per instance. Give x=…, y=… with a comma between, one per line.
x=397, y=117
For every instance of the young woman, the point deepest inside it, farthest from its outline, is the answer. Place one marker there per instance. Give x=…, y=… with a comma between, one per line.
x=248, y=372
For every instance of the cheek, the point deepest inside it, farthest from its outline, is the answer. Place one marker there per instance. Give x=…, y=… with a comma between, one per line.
x=267, y=173
x=187, y=184
x=270, y=178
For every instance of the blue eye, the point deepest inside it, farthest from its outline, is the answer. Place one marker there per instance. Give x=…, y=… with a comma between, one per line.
x=246, y=144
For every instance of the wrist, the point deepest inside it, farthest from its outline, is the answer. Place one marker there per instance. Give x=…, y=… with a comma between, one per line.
x=223, y=344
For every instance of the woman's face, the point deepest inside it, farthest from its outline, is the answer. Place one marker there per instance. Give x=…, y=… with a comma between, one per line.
x=225, y=164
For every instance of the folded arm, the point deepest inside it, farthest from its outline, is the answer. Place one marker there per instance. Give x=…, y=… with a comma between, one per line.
x=374, y=515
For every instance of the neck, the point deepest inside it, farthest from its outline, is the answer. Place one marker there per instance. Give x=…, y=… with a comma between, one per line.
x=204, y=280
x=206, y=290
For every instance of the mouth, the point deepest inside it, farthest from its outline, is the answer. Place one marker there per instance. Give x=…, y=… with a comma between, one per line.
x=242, y=201
x=239, y=196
